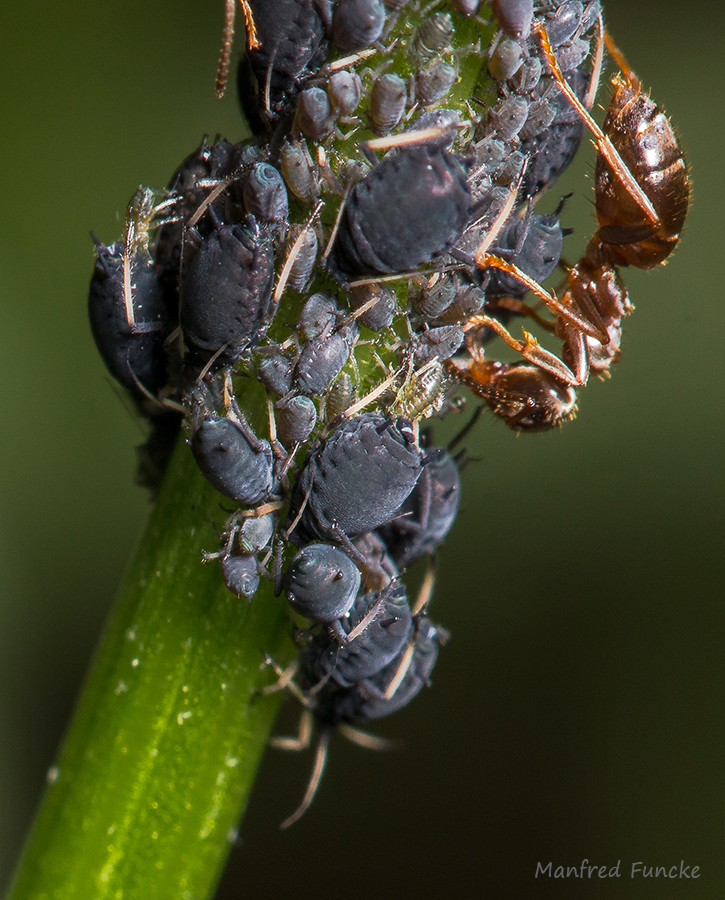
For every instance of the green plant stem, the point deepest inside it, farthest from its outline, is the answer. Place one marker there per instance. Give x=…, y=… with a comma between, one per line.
x=159, y=759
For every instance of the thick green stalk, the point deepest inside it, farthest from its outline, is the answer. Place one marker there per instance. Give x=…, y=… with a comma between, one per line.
x=160, y=756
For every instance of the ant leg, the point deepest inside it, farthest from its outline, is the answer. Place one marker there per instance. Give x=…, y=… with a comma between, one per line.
x=604, y=144
x=619, y=59
x=529, y=348
x=511, y=304
x=563, y=309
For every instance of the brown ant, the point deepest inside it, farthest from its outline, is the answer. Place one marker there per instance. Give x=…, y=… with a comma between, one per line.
x=642, y=198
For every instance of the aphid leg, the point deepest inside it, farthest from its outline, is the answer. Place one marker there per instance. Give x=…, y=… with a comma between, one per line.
x=366, y=740
x=304, y=735
x=237, y=416
x=318, y=769
x=285, y=682
x=604, y=144
x=425, y=593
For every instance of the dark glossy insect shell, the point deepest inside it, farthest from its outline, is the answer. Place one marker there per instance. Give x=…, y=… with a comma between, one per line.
x=226, y=295
x=292, y=46
x=371, y=650
x=315, y=117
x=229, y=462
x=322, y=359
x=366, y=701
x=387, y=102
x=356, y=24
x=433, y=83
x=299, y=171
x=133, y=353
x=538, y=257
x=317, y=315
x=428, y=514
x=382, y=313
x=240, y=572
x=265, y=196
x=275, y=373
x=296, y=418
x=409, y=209
x=441, y=342
x=345, y=92
x=515, y=17
x=355, y=480
x=321, y=583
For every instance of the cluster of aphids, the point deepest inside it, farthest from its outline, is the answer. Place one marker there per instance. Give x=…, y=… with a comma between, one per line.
x=348, y=268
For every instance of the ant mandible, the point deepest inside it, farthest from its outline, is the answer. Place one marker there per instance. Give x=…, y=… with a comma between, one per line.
x=642, y=197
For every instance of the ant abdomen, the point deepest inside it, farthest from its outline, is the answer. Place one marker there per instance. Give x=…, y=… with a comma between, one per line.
x=645, y=139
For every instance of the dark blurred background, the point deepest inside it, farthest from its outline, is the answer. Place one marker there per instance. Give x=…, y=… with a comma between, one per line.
x=577, y=710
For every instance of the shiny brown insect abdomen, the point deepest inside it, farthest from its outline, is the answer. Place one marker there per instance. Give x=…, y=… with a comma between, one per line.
x=646, y=141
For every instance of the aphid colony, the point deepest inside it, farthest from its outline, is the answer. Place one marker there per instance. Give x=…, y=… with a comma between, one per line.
x=347, y=268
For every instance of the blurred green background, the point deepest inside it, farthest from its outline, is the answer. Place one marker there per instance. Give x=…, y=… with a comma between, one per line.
x=577, y=710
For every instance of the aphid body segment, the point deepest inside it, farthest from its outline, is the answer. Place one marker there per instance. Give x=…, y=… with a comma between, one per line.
x=355, y=480
x=375, y=647
x=231, y=457
x=132, y=350
x=227, y=292
x=413, y=206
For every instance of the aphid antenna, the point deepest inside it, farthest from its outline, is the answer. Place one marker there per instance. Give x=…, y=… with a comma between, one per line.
x=604, y=143
x=335, y=227
x=357, y=313
x=346, y=61
x=420, y=136
x=360, y=404
x=217, y=190
x=208, y=366
x=314, y=783
x=378, y=279
x=401, y=671
x=598, y=63
x=268, y=85
x=294, y=252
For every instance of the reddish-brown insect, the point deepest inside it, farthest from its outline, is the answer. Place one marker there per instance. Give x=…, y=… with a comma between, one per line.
x=642, y=197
